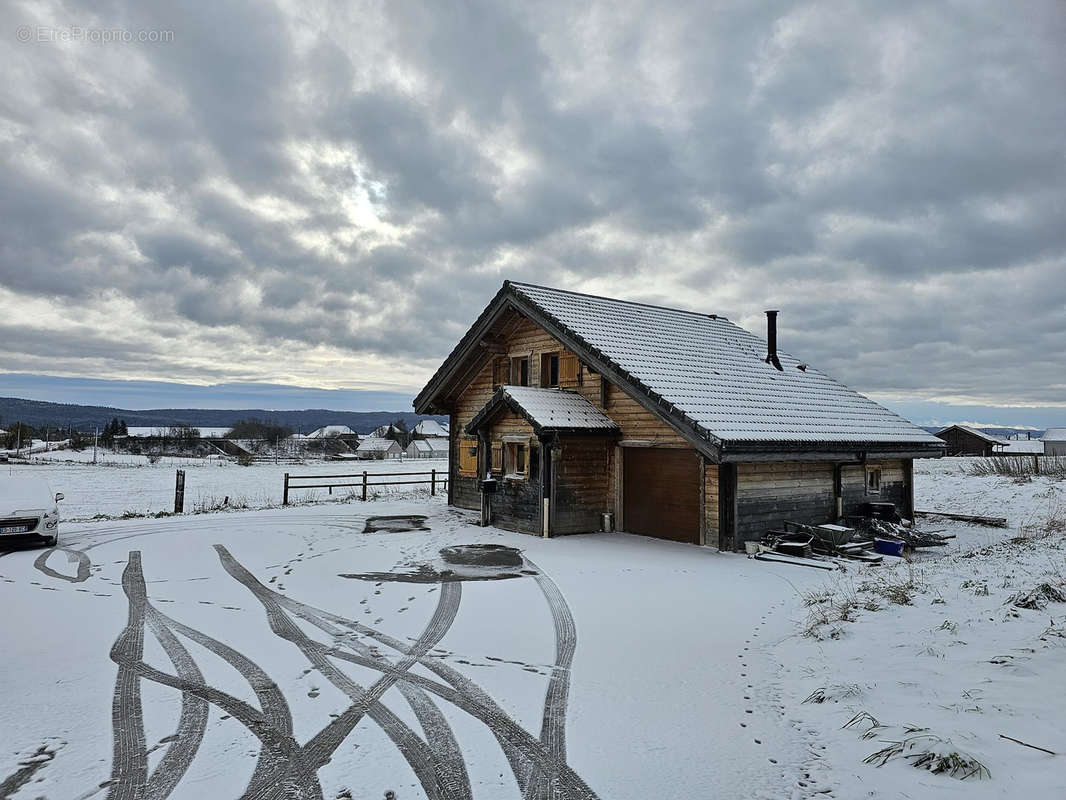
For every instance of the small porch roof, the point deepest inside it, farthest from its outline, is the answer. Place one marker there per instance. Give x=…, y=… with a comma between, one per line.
x=547, y=411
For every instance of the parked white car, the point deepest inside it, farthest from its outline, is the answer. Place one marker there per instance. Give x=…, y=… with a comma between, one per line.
x=29, y=512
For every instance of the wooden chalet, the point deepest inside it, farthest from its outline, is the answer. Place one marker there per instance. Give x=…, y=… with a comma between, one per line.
x=590, y=413
x=964, y=441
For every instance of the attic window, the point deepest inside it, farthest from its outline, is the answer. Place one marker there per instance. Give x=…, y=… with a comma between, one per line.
x=873, y=480
x=520, y=371
x=549, y=370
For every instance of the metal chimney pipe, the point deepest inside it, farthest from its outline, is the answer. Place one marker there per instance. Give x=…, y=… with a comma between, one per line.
x=771, y=339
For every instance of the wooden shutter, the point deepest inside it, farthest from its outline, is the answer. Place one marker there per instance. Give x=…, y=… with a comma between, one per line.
x=497, y=456
x=567, y=370
x=468, y=457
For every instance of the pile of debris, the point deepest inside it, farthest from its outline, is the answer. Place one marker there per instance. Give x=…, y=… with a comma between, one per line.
x=879, y=532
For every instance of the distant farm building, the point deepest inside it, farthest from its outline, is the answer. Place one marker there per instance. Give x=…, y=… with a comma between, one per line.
x=964, y=441
x=1019, y=444
x=1055, y=442
x=331, y=432
x=435, y=447
x=375, y=447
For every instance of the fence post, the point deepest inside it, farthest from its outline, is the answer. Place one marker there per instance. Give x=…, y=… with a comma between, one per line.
x=179, y=491
x=364, y=485
x=432, y=482
x=285, y=493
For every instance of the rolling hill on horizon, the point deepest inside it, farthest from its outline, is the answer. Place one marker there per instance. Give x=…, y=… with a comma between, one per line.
x=39, y=413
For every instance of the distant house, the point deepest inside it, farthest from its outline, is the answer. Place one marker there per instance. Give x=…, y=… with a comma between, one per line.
x=964, y=441
x=430, y=427
x=376, y=447
x=1016, y=444
x=1055, y=442
x=435, y=447
x=331, y=432
x=589, y=413
x=385, y=432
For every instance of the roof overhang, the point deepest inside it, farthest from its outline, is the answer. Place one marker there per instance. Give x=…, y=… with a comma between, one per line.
x=855, y=452
x=502, y=401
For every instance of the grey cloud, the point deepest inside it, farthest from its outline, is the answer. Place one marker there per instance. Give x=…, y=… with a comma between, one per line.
x=892, y=178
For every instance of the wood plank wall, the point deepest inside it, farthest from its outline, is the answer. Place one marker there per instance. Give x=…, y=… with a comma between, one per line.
x=770, y=493
x=710, y=504
x=583, y=486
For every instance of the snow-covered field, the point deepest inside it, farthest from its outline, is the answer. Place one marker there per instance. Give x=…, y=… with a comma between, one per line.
x=121, y=483
x=332, y=655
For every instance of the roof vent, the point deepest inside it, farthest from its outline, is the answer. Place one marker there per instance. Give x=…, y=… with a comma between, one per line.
x=771, y=340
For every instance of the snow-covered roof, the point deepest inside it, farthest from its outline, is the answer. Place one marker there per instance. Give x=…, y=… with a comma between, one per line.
x=432, y=445
x=1055, y=435
x=714, y=373
x=330, y=430
x=973, y=432
x=430, y=427
x=548, y=410
x=374, y=445
x=1018, y=446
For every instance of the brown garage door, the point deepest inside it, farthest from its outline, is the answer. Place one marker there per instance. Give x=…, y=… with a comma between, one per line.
x=660, y=493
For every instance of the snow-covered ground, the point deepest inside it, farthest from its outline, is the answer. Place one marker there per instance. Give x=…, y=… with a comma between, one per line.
x=201, y=656
x=121, y=483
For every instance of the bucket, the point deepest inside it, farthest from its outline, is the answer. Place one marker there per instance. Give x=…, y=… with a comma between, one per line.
x=888, y=547
x=751, y=548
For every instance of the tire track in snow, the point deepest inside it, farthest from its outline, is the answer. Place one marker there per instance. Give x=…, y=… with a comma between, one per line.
x=129, y=760
x=553, y=723
x=128, y=776
x=192, y=721
x=521, y=749
x=320, y=748
x=41, y=564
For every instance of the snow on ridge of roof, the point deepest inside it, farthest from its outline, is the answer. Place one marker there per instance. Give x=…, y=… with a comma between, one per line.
x=431, y=445
x=974, y=431
x=1017, y=446
x=374, y=444
x=330, y=430
x=559, y=408
x=1055, y=435
x=430, y=427
x=714, y=372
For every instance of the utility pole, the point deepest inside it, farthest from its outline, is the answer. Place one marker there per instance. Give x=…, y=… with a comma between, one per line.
x=96, y=436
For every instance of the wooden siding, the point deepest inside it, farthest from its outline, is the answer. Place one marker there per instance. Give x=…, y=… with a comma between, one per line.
x=583, y=488
x=710, y=504
x=894, y=487
x=517, y=503
x=770, y=493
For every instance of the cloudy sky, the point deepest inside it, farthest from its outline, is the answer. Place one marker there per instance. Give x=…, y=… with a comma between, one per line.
x=327, y=195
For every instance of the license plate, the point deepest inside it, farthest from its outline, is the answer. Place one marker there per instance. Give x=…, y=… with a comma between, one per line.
x=16, y=529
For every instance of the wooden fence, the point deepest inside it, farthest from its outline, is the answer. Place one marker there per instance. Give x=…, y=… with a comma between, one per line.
x=364, y=480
